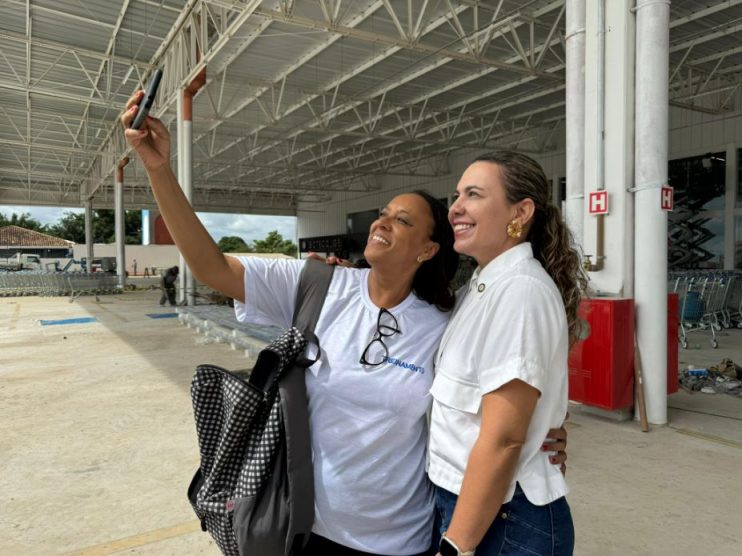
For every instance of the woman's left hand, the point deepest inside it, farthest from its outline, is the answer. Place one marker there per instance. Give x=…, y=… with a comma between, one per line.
x=557, y=442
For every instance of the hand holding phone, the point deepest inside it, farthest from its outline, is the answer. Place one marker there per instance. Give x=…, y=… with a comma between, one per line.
x=149, y=97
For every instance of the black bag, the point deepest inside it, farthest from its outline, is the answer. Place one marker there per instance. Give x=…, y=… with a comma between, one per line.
x=254, y=490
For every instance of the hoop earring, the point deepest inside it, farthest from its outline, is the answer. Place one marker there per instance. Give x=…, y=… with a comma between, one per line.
x=420, y=258
x=515, y=229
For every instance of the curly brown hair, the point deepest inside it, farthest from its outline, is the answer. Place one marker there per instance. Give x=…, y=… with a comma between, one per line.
x=552, y=242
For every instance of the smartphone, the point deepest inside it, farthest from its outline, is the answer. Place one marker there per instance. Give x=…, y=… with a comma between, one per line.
x=149, y=97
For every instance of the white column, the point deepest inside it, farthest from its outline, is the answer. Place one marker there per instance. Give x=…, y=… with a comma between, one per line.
x=609, y=140
x=650, y=282
x=575, y=116
x=730, y=200
x=120, y=230
x=89, y=234
x=181, y=262
x=187, y=184
x=146, y=227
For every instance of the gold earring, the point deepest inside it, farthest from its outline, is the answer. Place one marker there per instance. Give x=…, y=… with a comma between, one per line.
x=515, y=229
x=420, y=258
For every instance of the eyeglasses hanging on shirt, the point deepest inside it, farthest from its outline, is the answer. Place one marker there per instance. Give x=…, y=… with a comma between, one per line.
x=377, y=351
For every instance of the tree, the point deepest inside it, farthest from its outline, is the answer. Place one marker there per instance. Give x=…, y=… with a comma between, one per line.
x=274, y=243
x=104, y=224
x=72, y=227
x=133, y=227
x=23, y=220
x=233, y=244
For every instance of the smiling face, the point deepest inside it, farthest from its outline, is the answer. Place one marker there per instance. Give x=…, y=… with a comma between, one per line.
x=481, y=213
x=401, y=234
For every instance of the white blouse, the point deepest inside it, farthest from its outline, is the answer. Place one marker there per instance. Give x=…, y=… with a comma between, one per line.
x=510, y=323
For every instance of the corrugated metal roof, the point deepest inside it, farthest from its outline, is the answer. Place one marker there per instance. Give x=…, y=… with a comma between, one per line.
x=301, y=100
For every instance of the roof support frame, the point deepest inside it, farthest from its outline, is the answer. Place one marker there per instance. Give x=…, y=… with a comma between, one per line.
x=391, y=86
x=377, y=38
x=427, y=96
x=718, y=7
x=179, y=55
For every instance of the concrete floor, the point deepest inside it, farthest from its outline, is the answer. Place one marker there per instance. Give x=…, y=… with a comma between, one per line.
x=97, y=443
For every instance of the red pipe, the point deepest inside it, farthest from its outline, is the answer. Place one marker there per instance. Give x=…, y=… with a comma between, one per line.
x=120, y=169
x=189, y=92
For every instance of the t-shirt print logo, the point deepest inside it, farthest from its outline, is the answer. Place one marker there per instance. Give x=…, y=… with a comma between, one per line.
x=404, y=365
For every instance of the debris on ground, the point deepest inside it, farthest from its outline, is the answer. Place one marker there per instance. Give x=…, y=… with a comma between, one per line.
x=724, y=378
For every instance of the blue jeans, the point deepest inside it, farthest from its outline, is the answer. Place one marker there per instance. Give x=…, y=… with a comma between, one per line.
x=520, y=528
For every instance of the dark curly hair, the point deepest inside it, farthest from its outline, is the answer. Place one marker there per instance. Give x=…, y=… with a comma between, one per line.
x=432, y=282
x=551, y=240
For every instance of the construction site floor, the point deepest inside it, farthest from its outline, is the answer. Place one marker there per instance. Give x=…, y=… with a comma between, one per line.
x=97, y=442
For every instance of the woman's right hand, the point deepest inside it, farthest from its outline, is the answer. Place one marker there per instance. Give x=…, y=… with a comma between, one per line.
x=151, y=141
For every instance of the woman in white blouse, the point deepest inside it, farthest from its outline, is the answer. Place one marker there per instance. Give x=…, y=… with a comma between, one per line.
x=501, y=368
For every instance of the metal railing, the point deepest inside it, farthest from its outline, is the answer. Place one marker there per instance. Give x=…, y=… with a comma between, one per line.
x=708, y=301
x=52, y=283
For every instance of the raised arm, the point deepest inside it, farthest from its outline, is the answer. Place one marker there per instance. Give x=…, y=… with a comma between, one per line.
x=152, y=143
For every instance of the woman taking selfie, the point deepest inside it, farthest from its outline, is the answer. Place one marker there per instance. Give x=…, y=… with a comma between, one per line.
x=379, y=329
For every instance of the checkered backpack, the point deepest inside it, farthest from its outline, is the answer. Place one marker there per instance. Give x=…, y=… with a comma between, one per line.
x=254, y=490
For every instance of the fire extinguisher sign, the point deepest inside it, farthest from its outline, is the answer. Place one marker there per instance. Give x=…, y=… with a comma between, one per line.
x=666, y=198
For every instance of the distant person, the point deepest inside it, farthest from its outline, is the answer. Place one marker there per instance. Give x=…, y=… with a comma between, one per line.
x=167, y=282
x=134, y=264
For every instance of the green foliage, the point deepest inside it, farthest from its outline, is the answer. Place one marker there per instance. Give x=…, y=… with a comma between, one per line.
x=274, y=243
x=104, y=224
x=233, y=244
x=72, y=227
x=23, y=220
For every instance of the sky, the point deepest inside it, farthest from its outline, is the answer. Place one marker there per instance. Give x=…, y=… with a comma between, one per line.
x=248, y=227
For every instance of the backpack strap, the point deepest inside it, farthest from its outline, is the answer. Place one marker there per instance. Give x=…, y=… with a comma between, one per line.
x=313, y=285
x=314, y=282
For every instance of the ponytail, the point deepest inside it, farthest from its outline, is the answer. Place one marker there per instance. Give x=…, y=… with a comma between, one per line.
x=551, y=240
x=553, y=246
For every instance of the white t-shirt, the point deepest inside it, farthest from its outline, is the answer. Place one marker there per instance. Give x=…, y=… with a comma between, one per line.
x=368, y=424
x=510, y=323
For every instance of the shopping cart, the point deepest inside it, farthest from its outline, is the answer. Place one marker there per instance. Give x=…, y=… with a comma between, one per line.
x=698, y=297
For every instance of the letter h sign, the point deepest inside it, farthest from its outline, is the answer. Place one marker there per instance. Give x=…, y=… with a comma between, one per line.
x=666, y=198
x=598, y=202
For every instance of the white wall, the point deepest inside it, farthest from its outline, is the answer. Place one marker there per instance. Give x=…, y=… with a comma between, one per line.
x=696, y=133
x=160, y=256
x=329, y=218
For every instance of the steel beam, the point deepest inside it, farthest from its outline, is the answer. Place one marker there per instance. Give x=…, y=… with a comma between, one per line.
x=384, y=40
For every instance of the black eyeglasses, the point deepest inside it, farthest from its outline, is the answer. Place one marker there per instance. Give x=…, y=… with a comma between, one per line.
x=376, y=351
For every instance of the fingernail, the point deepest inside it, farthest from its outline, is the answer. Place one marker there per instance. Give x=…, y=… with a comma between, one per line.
x=142, y=132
